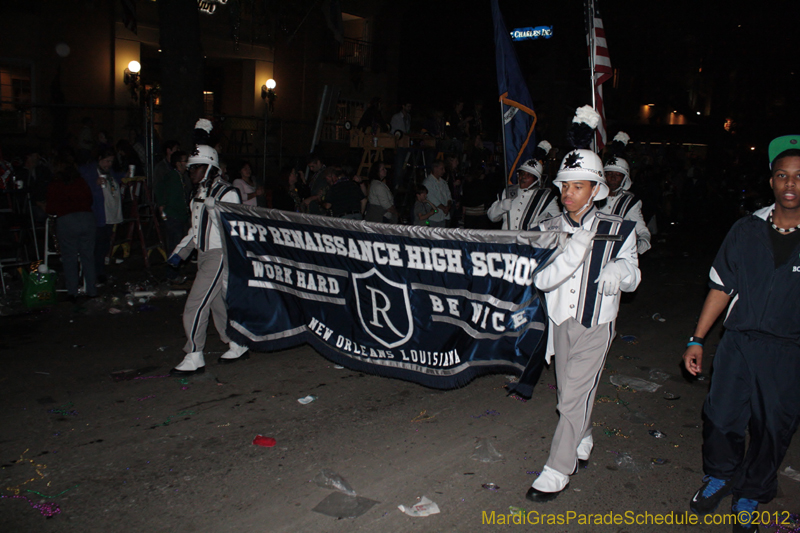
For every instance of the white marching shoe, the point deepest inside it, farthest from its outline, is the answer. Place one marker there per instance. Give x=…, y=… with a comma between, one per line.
x=584, y=451
x=192, y=364
x=235, y=353
x=548, y=485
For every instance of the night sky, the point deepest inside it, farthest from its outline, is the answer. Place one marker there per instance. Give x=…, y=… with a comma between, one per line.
x=748, y=58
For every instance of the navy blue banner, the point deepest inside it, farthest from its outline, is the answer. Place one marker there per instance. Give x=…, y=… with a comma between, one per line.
x=434, y=306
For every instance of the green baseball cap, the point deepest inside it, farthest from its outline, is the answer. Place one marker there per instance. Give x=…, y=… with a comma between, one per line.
x=781, y=144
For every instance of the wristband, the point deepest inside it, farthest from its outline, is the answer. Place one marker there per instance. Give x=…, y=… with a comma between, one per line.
x=693, y=344
x=697, y=340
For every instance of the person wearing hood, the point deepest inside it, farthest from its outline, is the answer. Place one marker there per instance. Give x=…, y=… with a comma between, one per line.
x=523, y=205
x=621, y=201
x=582, y=288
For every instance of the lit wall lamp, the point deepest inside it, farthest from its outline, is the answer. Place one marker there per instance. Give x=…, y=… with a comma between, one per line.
x=268, y=93
x=131, y=78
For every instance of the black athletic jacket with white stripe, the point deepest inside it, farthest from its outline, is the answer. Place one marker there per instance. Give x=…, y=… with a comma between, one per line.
x=765, y=299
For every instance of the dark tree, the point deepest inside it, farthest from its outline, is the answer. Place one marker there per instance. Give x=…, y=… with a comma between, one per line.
x=181, y=69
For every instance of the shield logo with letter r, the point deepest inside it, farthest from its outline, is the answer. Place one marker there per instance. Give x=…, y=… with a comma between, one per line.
x=384, y=308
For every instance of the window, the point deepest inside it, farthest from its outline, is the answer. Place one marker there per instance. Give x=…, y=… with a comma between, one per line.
x=15, y=96
x=208, y=104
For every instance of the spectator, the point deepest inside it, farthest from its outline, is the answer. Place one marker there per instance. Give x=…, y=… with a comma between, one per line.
x=438, y=195
x=247, y=187
x=452, y=174
x=345, y=195
x=423, y=209
x=70, y=199
x=35, y=176
x=106, y=186
x=165, y=165
x=170, y=199
x=317, y=184
x=288, y=195
x=380, y=201
x=372, y=120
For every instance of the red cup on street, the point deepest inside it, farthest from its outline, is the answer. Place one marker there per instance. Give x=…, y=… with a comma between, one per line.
x=267, y=442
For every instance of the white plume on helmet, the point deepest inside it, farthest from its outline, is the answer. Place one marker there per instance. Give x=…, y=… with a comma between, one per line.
x=546, y=146
x=204, y=124
x=587, y=115
x=534, y=166
x=616, y=163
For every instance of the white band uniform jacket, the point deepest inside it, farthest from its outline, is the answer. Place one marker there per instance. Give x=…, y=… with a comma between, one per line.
x=569, y=281
x=528, y=208
x=204, y=232
x=626, y=205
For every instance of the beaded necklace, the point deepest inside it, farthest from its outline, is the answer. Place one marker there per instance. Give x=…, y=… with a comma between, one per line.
x=781, y=230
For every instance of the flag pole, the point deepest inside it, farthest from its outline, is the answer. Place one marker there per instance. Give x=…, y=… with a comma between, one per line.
x=592, y=50
x=505, y=149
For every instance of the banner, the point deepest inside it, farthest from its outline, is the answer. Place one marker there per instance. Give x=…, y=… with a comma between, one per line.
x=430, y=305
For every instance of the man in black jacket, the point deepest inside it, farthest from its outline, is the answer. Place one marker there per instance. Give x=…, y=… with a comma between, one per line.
x=756, y=275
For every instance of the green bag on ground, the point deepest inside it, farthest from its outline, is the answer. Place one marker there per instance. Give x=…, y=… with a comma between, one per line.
x=38, y=289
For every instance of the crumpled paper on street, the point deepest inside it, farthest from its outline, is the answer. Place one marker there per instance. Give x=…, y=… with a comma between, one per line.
x=424, y=507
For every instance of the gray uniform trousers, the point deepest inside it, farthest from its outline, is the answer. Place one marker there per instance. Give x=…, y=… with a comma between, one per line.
x=580, y=356
x=205, y=297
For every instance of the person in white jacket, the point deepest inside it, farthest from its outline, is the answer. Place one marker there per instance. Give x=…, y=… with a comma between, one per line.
x=523, y=205
x=207, y=296
x=582, y=288
x=621, y=201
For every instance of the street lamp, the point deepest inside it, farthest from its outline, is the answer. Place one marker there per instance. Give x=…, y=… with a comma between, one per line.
x=131, y=78
x=268, y=93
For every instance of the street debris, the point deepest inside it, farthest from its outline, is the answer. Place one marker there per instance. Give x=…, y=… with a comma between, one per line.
x=636, y=384
x=658, y=375
x=340, y=505
x=625, y=462
x=485, y=452
x=791, y=473
x=306, y=399
x=657, y=434
x=425, y=507
x=328, y=479
x=658, y=318
x=266, y=442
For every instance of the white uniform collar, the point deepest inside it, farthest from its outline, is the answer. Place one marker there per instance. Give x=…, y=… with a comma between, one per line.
x=764, y=212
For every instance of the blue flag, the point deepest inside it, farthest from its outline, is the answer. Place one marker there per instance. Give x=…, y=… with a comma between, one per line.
x=515, y=100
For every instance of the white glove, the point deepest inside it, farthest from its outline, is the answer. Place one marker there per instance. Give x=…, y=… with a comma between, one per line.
x=582, y=238
x=642, y=246
x=211, y=203
x=505, y=205
x=609, y=279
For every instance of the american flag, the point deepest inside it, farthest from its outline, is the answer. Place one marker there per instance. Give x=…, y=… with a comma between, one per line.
x=600, y=61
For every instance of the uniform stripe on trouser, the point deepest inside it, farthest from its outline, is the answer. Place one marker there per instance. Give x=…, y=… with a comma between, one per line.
x=198, y=316
x=580, y=356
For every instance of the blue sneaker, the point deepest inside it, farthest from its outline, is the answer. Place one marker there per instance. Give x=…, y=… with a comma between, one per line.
x=745, y=510
x=707, y=498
